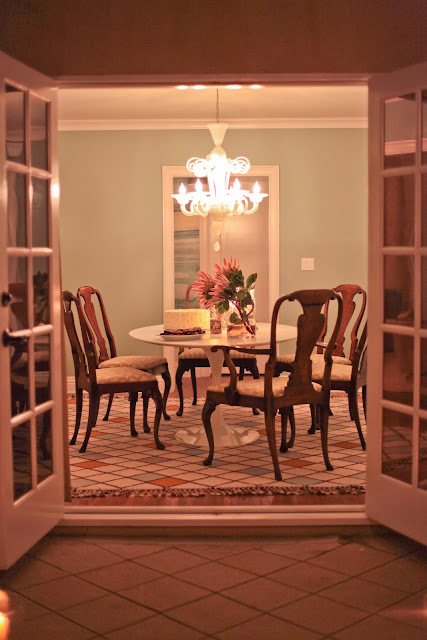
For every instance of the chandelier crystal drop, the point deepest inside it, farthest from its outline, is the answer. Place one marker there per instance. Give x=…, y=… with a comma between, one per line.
x=220, y=200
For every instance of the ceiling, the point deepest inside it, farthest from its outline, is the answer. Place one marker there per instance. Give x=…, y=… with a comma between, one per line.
x=246, y=107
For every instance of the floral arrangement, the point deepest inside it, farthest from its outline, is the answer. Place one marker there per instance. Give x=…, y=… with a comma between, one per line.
x=226, y=291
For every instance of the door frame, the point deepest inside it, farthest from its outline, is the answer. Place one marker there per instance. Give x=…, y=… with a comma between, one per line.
x=214, y=517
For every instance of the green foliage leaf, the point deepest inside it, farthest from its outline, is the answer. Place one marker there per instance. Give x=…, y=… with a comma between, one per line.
x=234, y=318
x=251, y=279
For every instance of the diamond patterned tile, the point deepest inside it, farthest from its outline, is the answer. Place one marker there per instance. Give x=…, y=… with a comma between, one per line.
x=125, y=462
x=212, y=614
x=319, y=614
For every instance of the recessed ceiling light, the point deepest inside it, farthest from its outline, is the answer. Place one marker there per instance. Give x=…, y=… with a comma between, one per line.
x=182, y=87
x=199, y=86
x=233, y=86
x=256, y=86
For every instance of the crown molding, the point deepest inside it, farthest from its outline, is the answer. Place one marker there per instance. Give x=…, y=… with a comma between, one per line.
x=253, y=123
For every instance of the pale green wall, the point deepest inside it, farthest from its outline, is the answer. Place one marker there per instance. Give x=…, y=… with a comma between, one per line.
x=111, y=211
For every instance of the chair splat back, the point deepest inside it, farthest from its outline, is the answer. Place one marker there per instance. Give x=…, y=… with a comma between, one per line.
x=87, y=293
x=348, y=293
x=85, y=360
x=309, y=325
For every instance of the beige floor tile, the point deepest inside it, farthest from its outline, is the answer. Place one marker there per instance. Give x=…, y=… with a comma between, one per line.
x=156, y=628
x=24, y=609
x=170, y=561
x=121, y=575
x=258, y=561
x=129, y=547
x=263, y=594
x=65, y=592
x=319, y=614
x=270, y=628
x=107, y=613
x=49, y=627
x=352, y=559
x=214, y=550
x=307, y=577
x=302, y=549
x=215, y=576
x=29, y=571
x=212, y=614
x=164, y=593
x=390, y=542
x=406, y=574
x=363, y=595
x=379, y=628
x=74, y=555
x=412, y=610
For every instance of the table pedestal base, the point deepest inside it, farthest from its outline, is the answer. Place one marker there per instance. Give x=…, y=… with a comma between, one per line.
x=224, y=434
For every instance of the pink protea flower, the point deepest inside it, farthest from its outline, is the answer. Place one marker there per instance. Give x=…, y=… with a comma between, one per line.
x=218, y=291
x=228, y=267
x=203, y=285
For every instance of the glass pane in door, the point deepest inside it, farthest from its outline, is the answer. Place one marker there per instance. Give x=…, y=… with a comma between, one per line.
x=44, y=445
x=424, y=292
x=21, y=445
x=41, y=290
x=18, y=289
x=39, y=212
x=397, y=435
x=399, y=214
x=15, y=124
x=423, y=374
x=399, y=290
x=424, y=126
x=38, y=128
x=422, y=475
x=19, y=379
x=42, y=368
x=398, y=368
x=399, y=131
x=424, y=210
x=16, y=209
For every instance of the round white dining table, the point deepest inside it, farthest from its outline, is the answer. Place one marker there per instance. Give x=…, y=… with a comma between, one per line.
x=224, y=434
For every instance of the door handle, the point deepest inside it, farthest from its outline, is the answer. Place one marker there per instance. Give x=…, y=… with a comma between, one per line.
x=13, y=341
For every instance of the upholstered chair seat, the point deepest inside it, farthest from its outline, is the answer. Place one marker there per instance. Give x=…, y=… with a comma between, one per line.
x=256, y=389
x=118, y=375
x=137, y=362
x=288, y=358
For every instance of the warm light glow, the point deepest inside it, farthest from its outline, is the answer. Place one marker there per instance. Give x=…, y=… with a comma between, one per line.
x=220, y=200
x=181, y=87
x=54, y=190
x=233, y=86
x=256, y=86
x=199, y=86
x=4, y=626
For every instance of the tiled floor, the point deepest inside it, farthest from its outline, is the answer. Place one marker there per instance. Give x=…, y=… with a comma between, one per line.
x=340, y=588
x=116, y=460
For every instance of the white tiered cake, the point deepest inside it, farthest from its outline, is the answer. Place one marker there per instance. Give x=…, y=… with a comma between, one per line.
x=174, y=319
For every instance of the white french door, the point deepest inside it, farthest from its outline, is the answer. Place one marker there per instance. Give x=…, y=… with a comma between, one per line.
x=31, y=410
x=397, y=373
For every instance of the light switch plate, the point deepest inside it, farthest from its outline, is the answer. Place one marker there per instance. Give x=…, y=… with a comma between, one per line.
x=307, y=264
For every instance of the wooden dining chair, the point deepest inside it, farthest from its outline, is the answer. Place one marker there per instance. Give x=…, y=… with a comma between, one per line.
x=191, y=359
x=349, y=379
x=98, y=381
x=350, y=318
x=272, y=394
x=94, y=308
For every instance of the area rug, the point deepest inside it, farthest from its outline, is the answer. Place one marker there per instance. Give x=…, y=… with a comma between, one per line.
x=115, y=464
x=257, y=490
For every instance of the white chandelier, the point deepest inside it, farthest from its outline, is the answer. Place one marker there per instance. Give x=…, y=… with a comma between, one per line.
x=220, y=200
